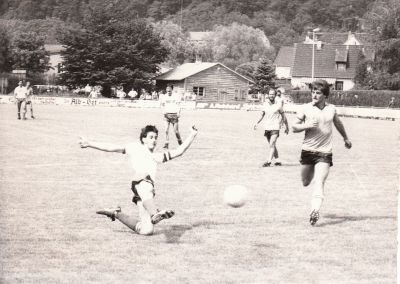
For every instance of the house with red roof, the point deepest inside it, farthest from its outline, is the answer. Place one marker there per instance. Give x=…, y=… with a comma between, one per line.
x=209, y=81
x=335, y=63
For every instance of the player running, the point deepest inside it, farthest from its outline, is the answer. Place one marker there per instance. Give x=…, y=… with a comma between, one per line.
x=171, y=104
x=144, y=161
x=274, y=117
x=316, y=119
x=29, y=95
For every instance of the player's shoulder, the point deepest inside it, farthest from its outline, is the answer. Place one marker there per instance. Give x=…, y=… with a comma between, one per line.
x=133, y=146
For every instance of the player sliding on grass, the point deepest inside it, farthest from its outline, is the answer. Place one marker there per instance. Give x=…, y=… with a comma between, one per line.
x=144, y=163
x=316, y=119
x=274, y=116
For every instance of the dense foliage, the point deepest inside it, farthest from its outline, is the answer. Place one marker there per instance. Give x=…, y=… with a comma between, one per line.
x=111, y=53
x=281, y=20
x=23, y=50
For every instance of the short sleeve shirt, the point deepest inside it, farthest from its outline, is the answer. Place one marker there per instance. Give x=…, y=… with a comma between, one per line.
x=20, y=92
x=143, y=161
x=171, y=104
x=318, y=139
x=273, y=115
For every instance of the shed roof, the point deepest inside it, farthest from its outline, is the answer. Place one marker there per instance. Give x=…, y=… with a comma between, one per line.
x=189, y=69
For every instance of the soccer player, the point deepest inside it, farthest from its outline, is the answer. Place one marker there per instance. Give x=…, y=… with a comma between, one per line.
x=29, y=95
x=144, y=161
x=274, y=116
x=20, y=93
x=316, y=119
x=171, y=104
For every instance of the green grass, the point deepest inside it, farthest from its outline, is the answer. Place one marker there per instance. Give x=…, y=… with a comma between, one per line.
x=50, y=190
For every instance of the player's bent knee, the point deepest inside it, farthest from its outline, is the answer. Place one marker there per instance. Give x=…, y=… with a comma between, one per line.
x=144, y=229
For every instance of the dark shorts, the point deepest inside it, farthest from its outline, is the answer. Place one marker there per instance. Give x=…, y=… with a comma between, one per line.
x=171, y=117
x=269, y=133
x=28, y=102
x=136, y=196
x=312, y=158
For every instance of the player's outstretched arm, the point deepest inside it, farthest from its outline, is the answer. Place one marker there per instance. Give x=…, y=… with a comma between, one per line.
x=185, y=145
x=106, y=147
x=340, y=128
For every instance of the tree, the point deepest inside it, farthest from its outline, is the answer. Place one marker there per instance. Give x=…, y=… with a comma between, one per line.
x=264, y=77
x=383, y=20
x=28, y=52
x=5, y=64
x=247, y=69
x=236, y=44
x=175, y=41
x=108, y=52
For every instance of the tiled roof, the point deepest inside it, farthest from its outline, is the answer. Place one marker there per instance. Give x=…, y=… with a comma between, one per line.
x=189, y=69
x=284, y=57
x=325, y=61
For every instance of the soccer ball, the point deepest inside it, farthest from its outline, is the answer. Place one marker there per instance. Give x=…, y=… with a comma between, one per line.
x=235, y=195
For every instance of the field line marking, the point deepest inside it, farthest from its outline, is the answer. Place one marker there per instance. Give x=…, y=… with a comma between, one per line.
x=357, y=177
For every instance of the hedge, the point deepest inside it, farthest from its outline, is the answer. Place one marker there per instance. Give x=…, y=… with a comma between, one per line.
x=365, y=98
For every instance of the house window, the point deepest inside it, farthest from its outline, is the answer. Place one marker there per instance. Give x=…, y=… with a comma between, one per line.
x=339, y=85
x=341, y=66
x=199, y=91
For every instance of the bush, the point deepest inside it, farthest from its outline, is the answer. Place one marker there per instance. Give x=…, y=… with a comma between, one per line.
x=365, y=98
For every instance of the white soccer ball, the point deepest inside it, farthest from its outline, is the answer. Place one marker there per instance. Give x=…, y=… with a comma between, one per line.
x=235, y=195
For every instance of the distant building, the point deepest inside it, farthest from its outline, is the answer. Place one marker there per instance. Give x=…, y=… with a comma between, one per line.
x=335, y=63
x=207, y=81
x=283, y=62
x=56, y=60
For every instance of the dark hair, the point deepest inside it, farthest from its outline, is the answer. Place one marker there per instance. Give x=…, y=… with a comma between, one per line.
x=321, y=85
x=147, y=129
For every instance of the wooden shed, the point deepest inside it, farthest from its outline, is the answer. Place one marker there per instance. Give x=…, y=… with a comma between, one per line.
x=212, y=82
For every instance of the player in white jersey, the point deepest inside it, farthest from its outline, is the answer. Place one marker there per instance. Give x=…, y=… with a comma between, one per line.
x=20, y=93
x=29, y=95
x=171, y=105
x=274, y=116
x=316, y=119
x=144, y=161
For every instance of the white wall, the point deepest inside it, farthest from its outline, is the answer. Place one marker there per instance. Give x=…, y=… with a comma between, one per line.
x=282, y=72
x=301, y=82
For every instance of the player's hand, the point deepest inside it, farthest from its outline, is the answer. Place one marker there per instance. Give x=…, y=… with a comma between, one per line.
x=83, y=142
x=194, y=130
x=287, y=130
x=255, y=126
x=347, y=143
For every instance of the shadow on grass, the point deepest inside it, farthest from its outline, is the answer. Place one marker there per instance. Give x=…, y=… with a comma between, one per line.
x=175, y=232
x=335, y=219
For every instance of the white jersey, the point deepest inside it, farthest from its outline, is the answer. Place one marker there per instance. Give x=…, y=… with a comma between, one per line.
x=143, y=161
x=273, y=117
x=171, y=103
x=318, y=139
x=20, y=92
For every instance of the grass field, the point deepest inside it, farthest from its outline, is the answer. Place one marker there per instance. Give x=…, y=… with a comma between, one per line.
x=50, y=190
